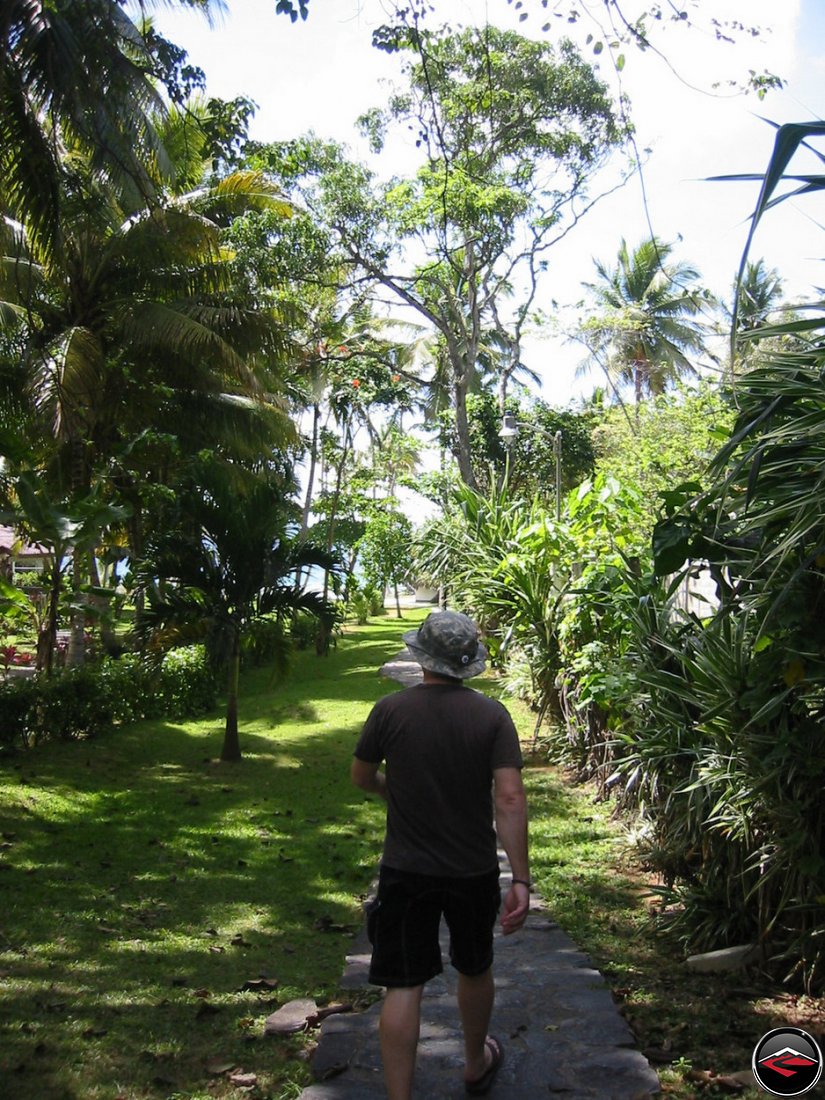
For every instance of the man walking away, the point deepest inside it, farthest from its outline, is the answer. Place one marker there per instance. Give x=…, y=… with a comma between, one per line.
x=452, y=763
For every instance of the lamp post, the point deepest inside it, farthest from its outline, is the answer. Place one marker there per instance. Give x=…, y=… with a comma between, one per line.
x=557, y=457
x=509, y=431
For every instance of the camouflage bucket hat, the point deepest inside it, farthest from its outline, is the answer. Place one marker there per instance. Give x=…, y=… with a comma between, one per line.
x=447, y=643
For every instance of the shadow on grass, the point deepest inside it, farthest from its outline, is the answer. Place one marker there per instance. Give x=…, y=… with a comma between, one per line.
x=143, y=884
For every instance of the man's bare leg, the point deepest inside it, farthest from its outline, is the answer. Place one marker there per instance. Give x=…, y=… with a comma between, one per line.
x=399, y=1030
x=475, y=1004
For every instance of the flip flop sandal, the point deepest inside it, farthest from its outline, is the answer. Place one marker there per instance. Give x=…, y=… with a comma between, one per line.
x=483, y=1084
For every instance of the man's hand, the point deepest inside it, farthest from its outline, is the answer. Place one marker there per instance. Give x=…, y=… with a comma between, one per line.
x=515, y=908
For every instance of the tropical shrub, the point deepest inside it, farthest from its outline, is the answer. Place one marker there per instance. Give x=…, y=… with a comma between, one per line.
x=265, y=642
x=535, y=584
x=85, y=702
x=755, y=677
x=359, y=607
x=302, y=630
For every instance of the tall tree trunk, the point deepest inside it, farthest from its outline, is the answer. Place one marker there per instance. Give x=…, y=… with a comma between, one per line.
x=462, y=429
x=323, y=635
x=47, y=637
x=76, y=651
x=313, y=461
x=135, y=533
x=397, y=600
x=231, y=751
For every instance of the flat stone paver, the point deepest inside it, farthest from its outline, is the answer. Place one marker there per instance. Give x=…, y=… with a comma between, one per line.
x=562, y=1032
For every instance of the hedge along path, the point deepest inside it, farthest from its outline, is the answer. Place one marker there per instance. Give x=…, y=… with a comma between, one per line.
x=145, y=888
x=561, y=1029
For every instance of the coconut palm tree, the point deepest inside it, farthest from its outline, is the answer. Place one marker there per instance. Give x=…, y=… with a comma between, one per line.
x=758, y=295
x=645, y=325
x=80, y=75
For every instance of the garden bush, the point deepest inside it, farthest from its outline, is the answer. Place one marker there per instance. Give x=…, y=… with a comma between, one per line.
x=16, y=703
x=302, y=630
x=375, y=598
x=84, y=702
x=358, y=607
x=265, y=643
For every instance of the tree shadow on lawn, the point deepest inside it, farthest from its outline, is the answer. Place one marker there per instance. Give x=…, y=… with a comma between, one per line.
x=140, y=912
x=145, y=883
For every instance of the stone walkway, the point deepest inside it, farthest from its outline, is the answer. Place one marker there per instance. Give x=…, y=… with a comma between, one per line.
x=562, y=1033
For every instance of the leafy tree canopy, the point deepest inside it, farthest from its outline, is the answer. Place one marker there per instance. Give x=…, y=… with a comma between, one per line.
x=673, y=441
x=511, y=132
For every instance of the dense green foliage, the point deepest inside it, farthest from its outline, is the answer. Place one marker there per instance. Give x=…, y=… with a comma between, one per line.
x=87, y=702
x=747, y=686
x=702, y=720
x=668, y=441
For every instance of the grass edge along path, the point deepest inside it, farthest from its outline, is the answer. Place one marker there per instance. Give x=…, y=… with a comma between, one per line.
x=156, y=906
x=698, y=1030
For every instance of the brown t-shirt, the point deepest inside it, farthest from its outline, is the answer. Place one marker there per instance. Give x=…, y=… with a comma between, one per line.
x=440, y=744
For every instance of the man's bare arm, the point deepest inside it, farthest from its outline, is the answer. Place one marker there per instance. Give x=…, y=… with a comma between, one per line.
x=368, y=777
x=511, y=826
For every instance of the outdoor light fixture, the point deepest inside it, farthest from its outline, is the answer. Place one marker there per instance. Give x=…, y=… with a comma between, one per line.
x=510, y=429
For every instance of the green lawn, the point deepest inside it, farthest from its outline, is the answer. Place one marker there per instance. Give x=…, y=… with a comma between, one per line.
x=142, y=884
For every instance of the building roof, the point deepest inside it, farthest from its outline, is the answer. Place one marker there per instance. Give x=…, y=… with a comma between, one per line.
x=9, y=538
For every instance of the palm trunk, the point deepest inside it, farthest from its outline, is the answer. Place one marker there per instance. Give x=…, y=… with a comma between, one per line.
x=231, y=751
x=323, y=636
x=134, y=535
x=313, y=461
x=47, y=638
x=76, y=652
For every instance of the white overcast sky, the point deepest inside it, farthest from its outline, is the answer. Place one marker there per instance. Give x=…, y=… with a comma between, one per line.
x=322, y=73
